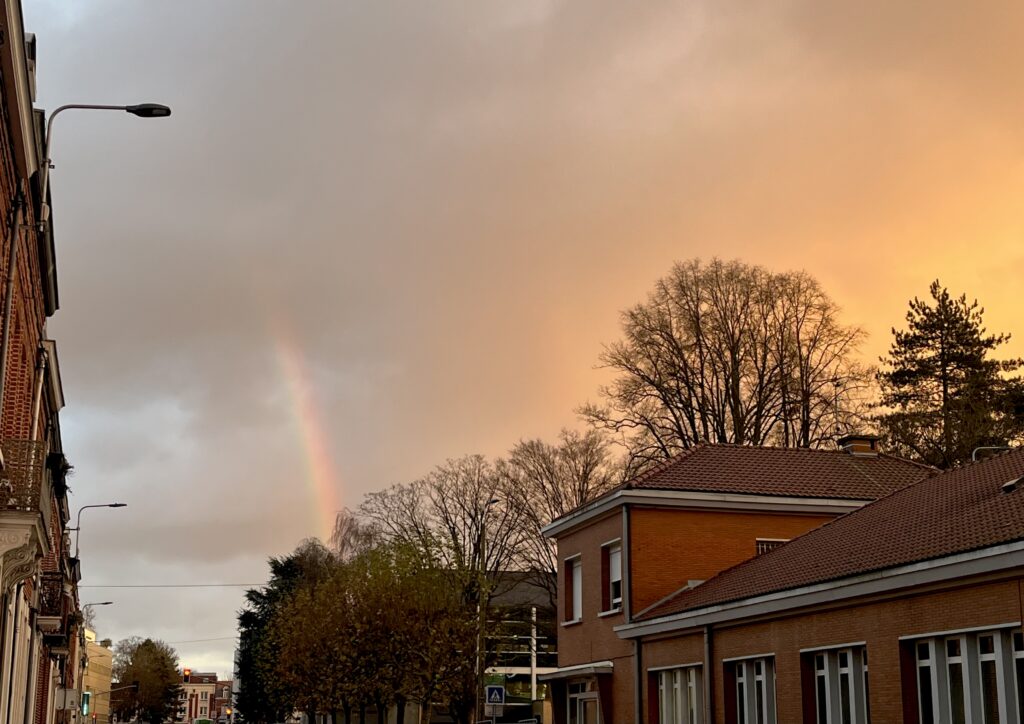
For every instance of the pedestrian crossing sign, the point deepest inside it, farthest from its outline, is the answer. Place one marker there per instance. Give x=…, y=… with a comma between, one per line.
x=495, y=695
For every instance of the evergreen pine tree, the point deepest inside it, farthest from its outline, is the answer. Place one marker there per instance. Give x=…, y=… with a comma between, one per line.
x=942, y=394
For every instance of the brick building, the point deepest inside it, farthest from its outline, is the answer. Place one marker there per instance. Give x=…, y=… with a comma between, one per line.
x=198, y=696
x=223, y=701
x=920, y=593
x=676, y=526
x=38, y=579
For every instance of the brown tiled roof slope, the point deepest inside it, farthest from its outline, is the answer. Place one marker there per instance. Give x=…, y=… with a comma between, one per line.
x=953, y=512
x=797, y=472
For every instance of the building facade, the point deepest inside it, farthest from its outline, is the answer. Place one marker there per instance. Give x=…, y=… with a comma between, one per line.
x=677, y=526
x=39, y=610
x=224, y=702
x=907, y=610
x=96, y=683
x=198, y=696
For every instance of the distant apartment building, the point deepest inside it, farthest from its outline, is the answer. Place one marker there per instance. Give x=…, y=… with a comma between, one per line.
x=198, y=696
x=675, y=527
x=97, y=681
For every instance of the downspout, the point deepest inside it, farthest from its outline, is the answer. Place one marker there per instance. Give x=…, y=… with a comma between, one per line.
x=709, y=669
x=5, y=323
x=37, y=395
x=638, y=681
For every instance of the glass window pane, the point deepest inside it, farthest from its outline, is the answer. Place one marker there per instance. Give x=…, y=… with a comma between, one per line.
x=577, y=590
x=989, y=692
x=741, y=699
x=952, y=647
x=1020, y=687
x=845, y=704
x=1018, y=641
x=987, y=644
x=924, y=694
x=759, y=700
x=923, y=652
x=822, y=696
x=956, y=693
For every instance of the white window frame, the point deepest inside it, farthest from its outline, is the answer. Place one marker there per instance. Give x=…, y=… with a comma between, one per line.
x=829, y=668
x=680, y=695
x=754, y=671
x=971, y=660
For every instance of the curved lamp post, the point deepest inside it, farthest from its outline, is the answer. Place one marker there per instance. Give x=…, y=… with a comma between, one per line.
x=78, y=520
x=142, y=110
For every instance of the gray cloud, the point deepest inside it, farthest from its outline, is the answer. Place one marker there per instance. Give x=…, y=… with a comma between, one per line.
x=443, y=206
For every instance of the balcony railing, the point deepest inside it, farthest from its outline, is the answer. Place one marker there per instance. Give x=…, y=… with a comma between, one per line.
x=24, y=485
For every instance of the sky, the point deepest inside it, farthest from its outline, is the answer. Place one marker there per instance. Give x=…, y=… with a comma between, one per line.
x=375, y=235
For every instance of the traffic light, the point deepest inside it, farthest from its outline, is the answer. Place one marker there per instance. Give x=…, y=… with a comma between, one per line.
x=186, y=675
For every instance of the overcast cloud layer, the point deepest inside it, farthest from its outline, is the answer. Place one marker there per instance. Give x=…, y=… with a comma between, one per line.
x=443, y=206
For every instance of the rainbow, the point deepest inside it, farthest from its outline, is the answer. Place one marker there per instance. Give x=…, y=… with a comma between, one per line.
x=320, y=470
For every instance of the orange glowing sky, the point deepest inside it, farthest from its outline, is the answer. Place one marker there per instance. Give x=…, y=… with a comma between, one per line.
x=449, y=203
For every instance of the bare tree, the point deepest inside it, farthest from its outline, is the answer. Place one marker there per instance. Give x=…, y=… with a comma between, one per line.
x=727, y=352
x=457, y=513
x=543, y=482
x=352, y=535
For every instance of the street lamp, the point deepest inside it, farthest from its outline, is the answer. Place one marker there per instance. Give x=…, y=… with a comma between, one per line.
x=78, y=520
x=142, y=110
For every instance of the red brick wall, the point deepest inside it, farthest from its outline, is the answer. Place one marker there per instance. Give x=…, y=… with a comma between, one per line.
x=879, y=624
x=669, y=547
x=592, y=639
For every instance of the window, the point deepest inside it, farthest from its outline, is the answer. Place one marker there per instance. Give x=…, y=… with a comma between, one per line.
x=754, y=688
x=611, y=577
x=582, y=703
x=763, y=545
x=574, y=589
x=841, y=685
x=680, y=696
x=975, y=677
x=203, y=696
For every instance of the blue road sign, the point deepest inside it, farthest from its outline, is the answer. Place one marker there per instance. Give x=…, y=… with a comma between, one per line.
x=495, y=694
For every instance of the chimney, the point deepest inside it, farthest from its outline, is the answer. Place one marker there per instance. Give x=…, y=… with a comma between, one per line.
x=860, y=445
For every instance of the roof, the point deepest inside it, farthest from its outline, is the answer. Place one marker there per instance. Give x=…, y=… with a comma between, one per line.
x=201, y=678
x=962, y=510
x=794, y=472
x=729, y=469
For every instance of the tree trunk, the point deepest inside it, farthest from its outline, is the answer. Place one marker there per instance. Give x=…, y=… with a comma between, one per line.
x=400, y=709
x=362, y=714
x=347, y=709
